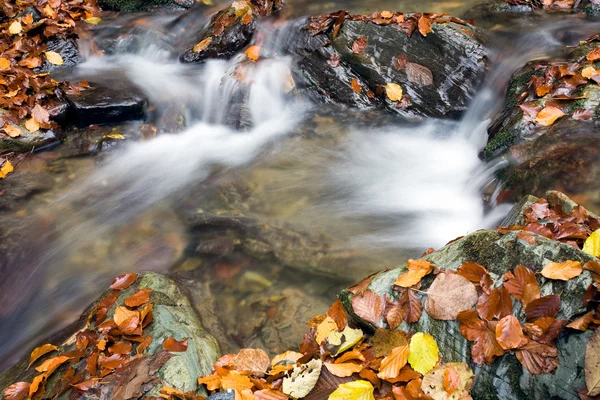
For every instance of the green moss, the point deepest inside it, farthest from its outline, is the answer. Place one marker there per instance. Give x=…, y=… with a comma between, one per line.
x=518, y=84
x=501, y=141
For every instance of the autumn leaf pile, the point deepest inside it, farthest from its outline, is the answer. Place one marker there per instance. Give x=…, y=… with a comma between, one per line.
x=342, y=362
x=30, y=95
x=112, y=350
x=555, y=86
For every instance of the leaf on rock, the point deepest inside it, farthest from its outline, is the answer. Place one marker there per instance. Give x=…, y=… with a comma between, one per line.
x=545, y=329
x=15, y=28
x=359, y=45
x=54, y=58
x=419, y=74
x=170, y=344
x=123, y=281
x=582, y=323
x=548, y=116
x=40, y=351
x=592, y=365
x=40, y=114
x=345, y=339
x=592, y=244
x=424, y=353
x=334, y=60
x=356, y=390
x=472, y=272
x=483, y=333
x=138, y=298
x=17, y=391
x=509, y=333
x=394, y=92
x=424, y=25
x=368, y=306
x=391, y=365
x=12, y=131
x=516, y=282
x=496, y=305
x=546, y=306
x=450, y=381
x=562, y=271
x=448, y=295
x=202, y=45
x=344, y=370
x=326, y=326
x=356, y=86
x=538, y=358
x=417, y=269
x=384, y=341
x=338, y=314
x=251, y=361
x=6, y=169
x=302, y=380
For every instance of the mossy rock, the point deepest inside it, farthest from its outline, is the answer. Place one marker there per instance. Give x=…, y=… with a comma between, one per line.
x=173, y=317
x=143, y=5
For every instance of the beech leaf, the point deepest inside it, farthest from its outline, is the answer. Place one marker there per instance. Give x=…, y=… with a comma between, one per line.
x=451, y=381
x=40, y=351
x=424, y=353
x=419, y=74
x=592, y=365
x=170, y=344
x=369, y=306
x=592, y=244
x=202, y=45
x=448, y=295
x=359, y=45
x=302, y=379
x=509, y=334
x=546, y=306
x=548, y=115
x=394, y=92
x=562, y=271
x=355, y=390
x=343, y=370
x=424, y=25
x=391, y=365
x=54, y=58
x=17, y=391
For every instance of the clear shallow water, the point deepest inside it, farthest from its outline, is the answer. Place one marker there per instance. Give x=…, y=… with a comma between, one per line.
x=374, y=192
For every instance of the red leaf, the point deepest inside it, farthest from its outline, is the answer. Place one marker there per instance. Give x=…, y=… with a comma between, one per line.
x=538, y=358
x=123, y=281
x=546, y=306
x=545, y=329
x=173, y=345
x=369, y=306
x=359, y=45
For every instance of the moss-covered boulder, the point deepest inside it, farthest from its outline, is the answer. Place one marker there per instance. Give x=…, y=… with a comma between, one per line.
x=539, y=154
x=143, y=5
x=144, y=367
x=505, y=378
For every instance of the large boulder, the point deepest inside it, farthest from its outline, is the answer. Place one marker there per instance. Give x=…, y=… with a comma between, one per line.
x=143, y=367
x=505, y=378
x=538, y=153
x=144, y=5
x=350, y=60
x=512, y=8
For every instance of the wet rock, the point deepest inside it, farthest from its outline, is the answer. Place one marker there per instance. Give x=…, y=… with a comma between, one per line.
x=518, y=8
x=144, y=5
x=505, y=378
x=28, y=141
x=562, y=155
x=105, y=104
x=328, y=63
x=68, y=50
x=173, y=316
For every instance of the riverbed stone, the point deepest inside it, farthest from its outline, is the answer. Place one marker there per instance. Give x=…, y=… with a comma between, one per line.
x=144, y=5
x=173, y=316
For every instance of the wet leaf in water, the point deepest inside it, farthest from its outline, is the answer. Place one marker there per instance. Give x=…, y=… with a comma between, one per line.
x=562, y=271
x=170, y=344
x=253, y=52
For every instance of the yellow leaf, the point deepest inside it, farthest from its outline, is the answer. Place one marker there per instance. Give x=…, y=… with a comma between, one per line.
x=6, y=169
x=355, y=390
x=4, y=63
x=202, y=45
x=93, y=20
x=15, y=28
x=287, y=356
x=41, y=350
x=241, y=8
x=116, y=136
x=12, y=131
x=393, y=91
x=324, y=329
x=592, y=244
x=562, y=271
x=351, y=337
x=54, y=58
x=32, y=125
x=548, y=116
x=588, y=72
x=253, y=52
x=387, y=14
x=424, y=353
x=392, y=364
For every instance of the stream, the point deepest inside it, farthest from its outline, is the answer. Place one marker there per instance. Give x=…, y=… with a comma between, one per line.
x=335, y=194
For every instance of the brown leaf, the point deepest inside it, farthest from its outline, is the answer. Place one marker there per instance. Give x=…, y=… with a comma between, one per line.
x=472, y=271
x=359, y=45
x=496, y=305
x=400, y=61
x=448, y=295
x=369, y=306
x=338, y=314
x=546, y=306
x=582, y=114
x=138, y=298
x=424, y=25
x=562, y=271
x=356, y=86
x=120, y=348
x=171, y=344
x=483, y=333
x=123, y=281
x=417, y=269
x=251, y=361
x=526, y=237
x=592, y=365
x=515, y=282
x=384, y=341
x=411, y=306
x=509, y=333
x=419, y=74
x=538, y=358
x=582, y=323
x=545, y=329
x=361, y=286
x=40, y=114
x=334, y=60
x=40, y=351
x=17, y=391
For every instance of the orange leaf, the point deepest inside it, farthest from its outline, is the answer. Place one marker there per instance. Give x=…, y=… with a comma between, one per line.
x=391, y=365
x=343, y=370
x=545, y=329
x=40, y=351
x=138, y=298
x=173, y=345
x=50, y=365
x=350, y=355
x=251, y=361
x=144, y=345
x=483, y=333
x=582, y=323
x=496, y=305
x=369, y=306
x=509, y=333
x=338, y=314
x=123, y=314
x=356, y=86
x=530, y=293
x=253, y=52
x=515, y=282
x=202, y=45
x=17, y=391
x=548, y=115
x=424, y=25
x=562, y=271
x=87, y=385
x=234, y=380
x=472, y=271
x=451, y=380
x=212, y=382
x=120, y=348
x=417, y=269
x=546, y=306
x=538, y=358
x=123, y=281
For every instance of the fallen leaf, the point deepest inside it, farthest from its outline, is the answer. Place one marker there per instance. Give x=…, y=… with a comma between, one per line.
x=12, y=131
x=495, y=305
x=355, y=390
x=548, y=115
x=15, y=28
x=538, y=358
x=40, y=114
x=417, y=269
x=472, y=271
x=483, y=333
x=338, y=314
x=448, y=295
x=120, y=348
x=123, y=281
x=545, y=329
x=419, y=74
x=138, y=298
x=4, y=63
x=326, y=326
x=424, y=25
x=334, y=60
x=394, y=92
x=212, y=382
x=592, y=244
x=391, y=365
x=516, y=282
x=54, y=58
x=450, y=381
x=562, y=271
x=509, y=333
x=202, y=45
x=345, y=339
x=359, y=45
x=269, y=394
x=170, y=344
x=384, y=341
x=253, y=52
x=343, y=370
x=288, y=356
x=32, y=125
x=40, y=351
x=234, y=380
x=6, y=169
x=16, y=391
x=368, y=306
x=93, y=20
x=123, y=314
x=546, y=306
x=424, y=353
x=386, y=14
x=592, y=365
x=302, y=380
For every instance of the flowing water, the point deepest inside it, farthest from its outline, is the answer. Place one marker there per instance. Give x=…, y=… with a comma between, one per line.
x=373, y=191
